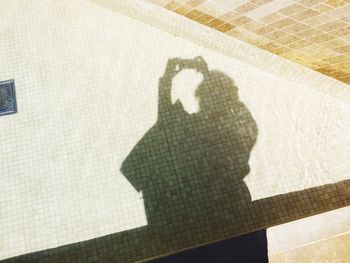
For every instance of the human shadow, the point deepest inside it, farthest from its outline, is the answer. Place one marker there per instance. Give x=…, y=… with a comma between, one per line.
x=190, y=170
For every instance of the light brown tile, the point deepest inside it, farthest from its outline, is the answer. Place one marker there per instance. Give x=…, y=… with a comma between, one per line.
x=283, y=23
x=343, y=49
x=281, y=50
x=265, y=30
x=229, y=16
x=305, y=15
x=335, y=43
x=308, y=33
x=194, y=14
x=322, y=8
x=195, y=3
x=249, y=6
x=271, y=18
x=321, y=38
x=172, y=5
x=299, y=44
x=240, y=21
x=335, y=3
x=260, y=2
x=287, y=40
x=318, y=20
x=182, y=10
x=292, y=9
x=341, y=32
x=252, y=25
x=277, y=35
x=271, y=46
x=337, y=59
x=205, y=18
x=214, y=23
x=331, y=26
x=295, y=28
x=308, y=3
x=225, y=27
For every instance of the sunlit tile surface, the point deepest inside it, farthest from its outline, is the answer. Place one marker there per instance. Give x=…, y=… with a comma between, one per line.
x=115, y=155
x=328, y=20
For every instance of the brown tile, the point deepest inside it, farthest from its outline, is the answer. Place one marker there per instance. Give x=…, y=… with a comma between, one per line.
x=297, y=27
x=172, y=5
x=265, y=30
x=287, y=40
x=271, y=18
x=194, y=14
x=277, y=35
x=215, y=23
x=229, y=16
x=225, y=27
x=305, y=15
x=331, y=26
x=182, y=10
x=283, y=23
x=292, y=9
x=249, y=6
x=203, y=18
x=195, y=3
x=336, y=3
x=240, y=21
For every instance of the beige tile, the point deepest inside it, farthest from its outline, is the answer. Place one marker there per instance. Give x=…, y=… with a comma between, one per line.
x=283, y=23
x=295, y=28
x=225, y=27
x=195, y=3
x=229, y=16
x=240, y=21
x=265, y=30
x=322, y=8
x=252, y=25
x=332, y=26
x=205, y=18
x=335, y=3
x=308, y=33
x=287, y=40
x=277, y=35
x=277, y=258
x=330, y=250
x=341, y=32
x=318, y=20
x=292, y=9
x=305, y=15
x=271, y=18
x=308, y=3
x=246, y=8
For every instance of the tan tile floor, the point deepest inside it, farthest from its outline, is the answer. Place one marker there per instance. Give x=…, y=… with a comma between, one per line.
x=309, y=32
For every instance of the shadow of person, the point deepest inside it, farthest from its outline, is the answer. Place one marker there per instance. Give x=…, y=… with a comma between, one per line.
x=190, y=167
x=190, y=170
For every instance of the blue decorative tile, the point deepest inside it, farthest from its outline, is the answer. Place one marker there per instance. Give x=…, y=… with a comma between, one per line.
x=7, y=97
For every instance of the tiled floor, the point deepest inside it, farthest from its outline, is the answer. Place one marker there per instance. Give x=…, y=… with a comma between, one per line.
x=111, y=158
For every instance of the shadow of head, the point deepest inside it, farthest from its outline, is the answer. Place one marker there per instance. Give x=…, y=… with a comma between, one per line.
x=216, y=93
